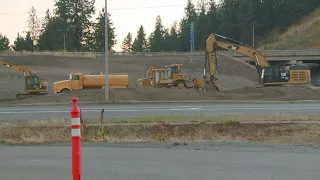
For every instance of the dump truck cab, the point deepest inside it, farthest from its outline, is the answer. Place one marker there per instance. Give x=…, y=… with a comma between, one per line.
x=73, y=83
x=76, y=81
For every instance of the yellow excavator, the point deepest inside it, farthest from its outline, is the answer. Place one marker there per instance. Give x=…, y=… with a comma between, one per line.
x=33, y=86
x=269, y=75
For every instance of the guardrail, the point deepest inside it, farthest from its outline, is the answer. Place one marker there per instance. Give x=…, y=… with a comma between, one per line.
x=313, y=54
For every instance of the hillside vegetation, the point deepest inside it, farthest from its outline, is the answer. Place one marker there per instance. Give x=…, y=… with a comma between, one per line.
x=305, y=34
x=230, y=18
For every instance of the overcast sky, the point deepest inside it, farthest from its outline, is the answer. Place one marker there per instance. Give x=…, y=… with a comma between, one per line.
x=127, y=15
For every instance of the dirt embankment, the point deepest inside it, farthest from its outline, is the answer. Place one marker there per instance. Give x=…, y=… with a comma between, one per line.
x=238, y=80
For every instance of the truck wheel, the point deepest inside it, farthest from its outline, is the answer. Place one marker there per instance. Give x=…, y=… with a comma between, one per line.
x=65, y=91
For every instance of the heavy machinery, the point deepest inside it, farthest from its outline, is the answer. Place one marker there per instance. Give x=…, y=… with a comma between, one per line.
x=169, y=77
x=79, y=81
x=33, y=85
x=269, y=75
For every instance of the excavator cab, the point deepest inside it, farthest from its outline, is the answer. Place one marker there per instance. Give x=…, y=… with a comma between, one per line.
x=275, y=74
x=34, y=85
x=278, y=75
x=31, y=82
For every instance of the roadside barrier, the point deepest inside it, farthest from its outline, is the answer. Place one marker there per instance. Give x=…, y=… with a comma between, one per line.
x=76, y=140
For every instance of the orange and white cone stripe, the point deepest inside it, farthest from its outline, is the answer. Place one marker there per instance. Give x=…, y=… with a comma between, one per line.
x=75, y=124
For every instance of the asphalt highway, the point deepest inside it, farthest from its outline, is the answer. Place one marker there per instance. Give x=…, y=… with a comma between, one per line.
x=47, y=112
x=144, y=162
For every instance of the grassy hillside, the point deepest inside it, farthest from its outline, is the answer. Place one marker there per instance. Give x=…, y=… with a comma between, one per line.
x=305, y=34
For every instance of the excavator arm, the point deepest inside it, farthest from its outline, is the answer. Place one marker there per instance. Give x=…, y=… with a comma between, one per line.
x=17, y=67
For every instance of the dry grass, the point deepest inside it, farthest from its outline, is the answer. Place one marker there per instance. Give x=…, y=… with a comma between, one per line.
x=304, y=34
x=167, y=119
x=225, y=129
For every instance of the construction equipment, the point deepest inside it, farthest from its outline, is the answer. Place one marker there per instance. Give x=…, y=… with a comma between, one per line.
x=169, y=77
x=33, y=86
x=269, y=75
x=79, y=81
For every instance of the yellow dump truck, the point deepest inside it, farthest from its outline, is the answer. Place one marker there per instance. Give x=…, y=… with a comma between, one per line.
x=79, y=81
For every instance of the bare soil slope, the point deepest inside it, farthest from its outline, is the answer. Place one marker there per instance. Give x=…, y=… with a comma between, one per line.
x=238, y=79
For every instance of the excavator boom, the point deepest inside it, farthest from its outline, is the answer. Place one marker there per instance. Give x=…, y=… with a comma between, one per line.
x=17, y=67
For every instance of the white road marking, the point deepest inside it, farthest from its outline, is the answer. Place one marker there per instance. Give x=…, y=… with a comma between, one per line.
x=47, y=109
x=94, y=110
x=33, y=111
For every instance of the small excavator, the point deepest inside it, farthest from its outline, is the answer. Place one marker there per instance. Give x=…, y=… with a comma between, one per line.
x=269, y=75
x=33, y=86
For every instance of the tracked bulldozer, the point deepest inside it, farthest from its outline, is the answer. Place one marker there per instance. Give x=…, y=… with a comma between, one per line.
x=169, y=77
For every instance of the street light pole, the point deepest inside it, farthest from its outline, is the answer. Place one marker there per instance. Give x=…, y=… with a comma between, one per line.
x=253, y=33
x=64, y=42
x=106, y=52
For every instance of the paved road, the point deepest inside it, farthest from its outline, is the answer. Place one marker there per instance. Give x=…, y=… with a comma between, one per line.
x=145, y=162
x=48, y=112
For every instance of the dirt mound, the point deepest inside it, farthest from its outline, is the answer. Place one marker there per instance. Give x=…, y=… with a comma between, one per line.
x=238, y=79
x=155, y=94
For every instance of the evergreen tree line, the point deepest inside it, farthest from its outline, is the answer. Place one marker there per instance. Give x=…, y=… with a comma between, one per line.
x=69, y=26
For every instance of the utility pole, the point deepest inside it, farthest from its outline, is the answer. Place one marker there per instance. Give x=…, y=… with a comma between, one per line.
x=253, y=33
x=64, y=42
x=106, y=44
x=192, y=40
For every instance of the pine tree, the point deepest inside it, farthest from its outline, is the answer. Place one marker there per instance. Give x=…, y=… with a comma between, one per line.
x=126, y=45
x=184, y=35
x=156, y=39
x=33, y=25
x=140, y=42
x=213, y=16
x=51, y=37
x=166, y=47
x=19, y=43
x=28, y=42
x=74, y=21
x=4, y=43
x=171, y=38
x=99, y=30
x=201, y=26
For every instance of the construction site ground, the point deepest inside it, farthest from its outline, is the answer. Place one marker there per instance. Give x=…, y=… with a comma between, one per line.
x=239, y=80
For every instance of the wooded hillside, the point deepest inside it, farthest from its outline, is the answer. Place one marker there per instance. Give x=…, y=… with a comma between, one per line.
x=232, y=18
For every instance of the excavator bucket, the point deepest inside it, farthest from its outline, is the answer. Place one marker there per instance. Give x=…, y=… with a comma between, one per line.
x=212, y=84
